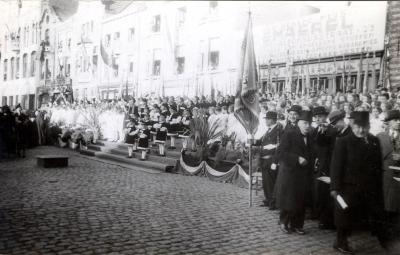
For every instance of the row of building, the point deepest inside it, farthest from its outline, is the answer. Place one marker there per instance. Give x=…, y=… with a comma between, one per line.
x=106, y=49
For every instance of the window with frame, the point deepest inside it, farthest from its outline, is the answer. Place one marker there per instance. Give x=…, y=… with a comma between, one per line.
x=181, y=15
x=5, y=69
x=33, y=63
x=108, y=40
x=12, y=68
x=156, y=67
x=27, y=36
x=17, y=68
x=116, y=36
x=24, y=65
x=131, y=34
x=156, y=62
x=213, y=6
x=179, y=60
x=180, y=65
x=156, y=23
x=115, y=65
x=213, y=55
x=33, y=34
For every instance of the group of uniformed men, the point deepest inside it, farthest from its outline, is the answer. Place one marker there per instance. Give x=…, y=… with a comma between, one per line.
x=344, y=174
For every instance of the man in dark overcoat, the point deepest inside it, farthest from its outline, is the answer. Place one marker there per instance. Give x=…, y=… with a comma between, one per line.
x=390, y=147
x=296, y=161
x=268, y=157
x=356, y=177
x=321, y=135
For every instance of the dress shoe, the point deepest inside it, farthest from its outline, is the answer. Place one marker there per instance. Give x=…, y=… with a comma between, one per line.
x=285, y=229
x=323, y=226
x=345, y=249
x=299, y=231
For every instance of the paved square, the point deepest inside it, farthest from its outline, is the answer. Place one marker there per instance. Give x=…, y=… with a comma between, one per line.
x=93, y=207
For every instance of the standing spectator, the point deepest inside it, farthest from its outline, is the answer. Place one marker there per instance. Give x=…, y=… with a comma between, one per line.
x=356, y=175
x=296, y=163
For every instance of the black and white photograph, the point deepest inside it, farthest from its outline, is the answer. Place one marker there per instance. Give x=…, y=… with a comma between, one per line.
x=199, y=127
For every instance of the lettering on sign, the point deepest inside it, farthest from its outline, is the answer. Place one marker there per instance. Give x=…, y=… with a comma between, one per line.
x=320, y=35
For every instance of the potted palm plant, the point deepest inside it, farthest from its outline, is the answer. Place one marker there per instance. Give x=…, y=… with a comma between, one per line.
x=204, y=136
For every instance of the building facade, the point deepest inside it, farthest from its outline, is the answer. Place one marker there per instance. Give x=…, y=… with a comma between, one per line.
x=190, y=48
x=20, y=39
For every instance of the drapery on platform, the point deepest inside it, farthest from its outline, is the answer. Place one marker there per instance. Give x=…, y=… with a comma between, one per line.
x=235, y=175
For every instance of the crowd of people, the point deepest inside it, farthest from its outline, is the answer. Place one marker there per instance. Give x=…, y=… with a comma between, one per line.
x=335, y=154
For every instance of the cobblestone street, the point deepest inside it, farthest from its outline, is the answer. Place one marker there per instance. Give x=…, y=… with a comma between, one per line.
x=93, y=207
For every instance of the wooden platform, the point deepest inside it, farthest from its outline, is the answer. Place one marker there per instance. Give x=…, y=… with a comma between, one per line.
x=49, y=161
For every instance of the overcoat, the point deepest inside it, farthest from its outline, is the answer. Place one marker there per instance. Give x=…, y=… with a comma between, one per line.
x=391, y=187
x=293, y=179
x=356, y=174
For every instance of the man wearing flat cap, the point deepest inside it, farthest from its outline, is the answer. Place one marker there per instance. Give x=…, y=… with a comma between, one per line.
x=356, y=179
x=293, y=115
x=296, y=161
x=268, y=160
x=390, y=147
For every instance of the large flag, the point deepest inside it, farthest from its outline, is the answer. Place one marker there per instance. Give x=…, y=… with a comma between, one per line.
x=247, y=108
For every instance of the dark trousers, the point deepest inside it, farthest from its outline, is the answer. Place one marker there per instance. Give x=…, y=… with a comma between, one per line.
x=268, y=182
x=292, y=219
x=325, y=205
x=342, y=235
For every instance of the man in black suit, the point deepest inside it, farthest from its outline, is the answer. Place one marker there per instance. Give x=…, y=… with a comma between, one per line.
x=268, y=160
x=323, y=141
x=296, y=161
x=356, y=177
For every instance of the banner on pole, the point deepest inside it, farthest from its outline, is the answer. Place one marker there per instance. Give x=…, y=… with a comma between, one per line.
x=247, y=106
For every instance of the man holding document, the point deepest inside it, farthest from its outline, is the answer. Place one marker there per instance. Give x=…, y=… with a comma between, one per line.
x=356, y=180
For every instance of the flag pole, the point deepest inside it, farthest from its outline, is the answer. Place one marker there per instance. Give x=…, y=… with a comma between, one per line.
x=250, y=156
x=250, y=170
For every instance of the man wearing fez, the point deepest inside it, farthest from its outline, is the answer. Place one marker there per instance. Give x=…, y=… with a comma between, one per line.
x=356, y=180
x=296, y=161
x=268, y=161
x=390, y=147
x=293, y=115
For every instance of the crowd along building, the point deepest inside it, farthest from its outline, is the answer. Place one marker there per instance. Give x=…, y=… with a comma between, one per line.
x=109, y=49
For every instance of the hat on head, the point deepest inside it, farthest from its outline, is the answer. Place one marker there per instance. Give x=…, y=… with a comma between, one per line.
x=392, y=115
x=361, y=118
x=271, y=115
x=305, y=115
x=295, y=108
x=335, y=116
x=320, y=110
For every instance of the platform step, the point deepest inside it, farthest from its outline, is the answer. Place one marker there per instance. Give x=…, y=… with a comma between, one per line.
x=150, y=156
x=95, y=147
x=134, y=161
x=88, y=152
x=176, y=154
